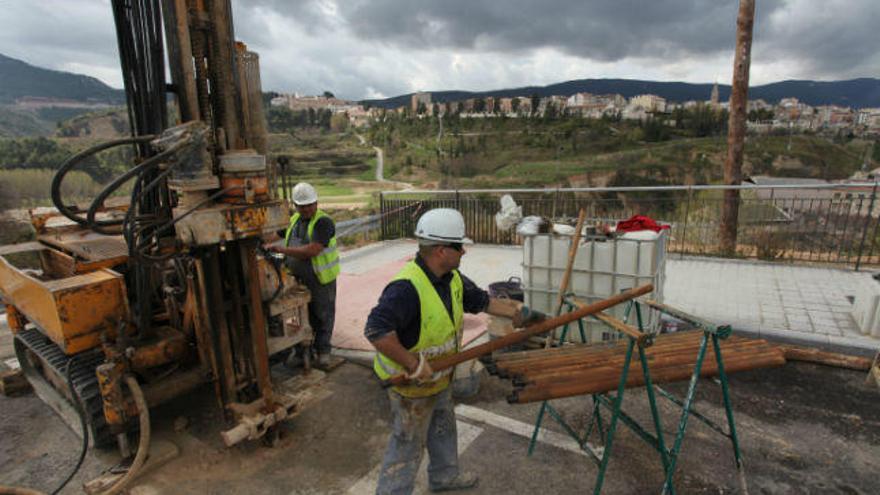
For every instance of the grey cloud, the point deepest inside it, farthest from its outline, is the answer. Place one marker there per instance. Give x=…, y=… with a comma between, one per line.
x=828, y=45
x=602, y=30
x=834, y=41
x=51, y=35
x=305, y=43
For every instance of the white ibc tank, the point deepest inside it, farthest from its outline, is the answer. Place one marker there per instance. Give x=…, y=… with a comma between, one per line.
x=601, y=269
x=866, y=308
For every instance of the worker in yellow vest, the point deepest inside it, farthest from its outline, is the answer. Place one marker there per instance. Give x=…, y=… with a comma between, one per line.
x=311, y=256
x=418, y=317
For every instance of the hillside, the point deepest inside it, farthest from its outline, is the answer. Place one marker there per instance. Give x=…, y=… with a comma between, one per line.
x=15, y=123
x=19, y=79
x=858, y=93
x=493, y=153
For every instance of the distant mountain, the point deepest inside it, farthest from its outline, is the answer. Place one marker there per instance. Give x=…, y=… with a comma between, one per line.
x=857, y=93
x=19, y=79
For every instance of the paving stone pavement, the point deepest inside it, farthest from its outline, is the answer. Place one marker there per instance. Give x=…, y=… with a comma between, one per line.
x=782, y=302
x=797, y=304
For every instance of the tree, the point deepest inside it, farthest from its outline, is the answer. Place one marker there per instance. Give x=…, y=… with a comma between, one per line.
x=280, y=119
x=760, y=115
x=339, y=122
x=514, y=105
x=267, y=98
x=654, y=130
x=324, y=116
x=550, y=111
x=535, y=100
x=328, y=94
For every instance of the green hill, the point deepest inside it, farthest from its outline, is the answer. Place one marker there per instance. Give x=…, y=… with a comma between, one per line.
x=15, y=123
x=492, y=153
x=19, y=79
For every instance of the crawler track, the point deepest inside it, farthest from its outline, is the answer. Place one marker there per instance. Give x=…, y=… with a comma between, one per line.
x=45, y=366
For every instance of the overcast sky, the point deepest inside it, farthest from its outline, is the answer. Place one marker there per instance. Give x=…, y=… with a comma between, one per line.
x=381, y=48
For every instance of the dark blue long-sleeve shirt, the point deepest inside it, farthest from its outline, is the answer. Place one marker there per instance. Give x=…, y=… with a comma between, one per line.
x=398, y=309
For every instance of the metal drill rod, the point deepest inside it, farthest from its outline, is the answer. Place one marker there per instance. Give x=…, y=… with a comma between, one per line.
x=612, y=365
x=663, y=354
x=583, y=385
x=516, y=337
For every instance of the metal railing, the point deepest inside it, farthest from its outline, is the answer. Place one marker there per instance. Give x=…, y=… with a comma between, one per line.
x=821, y=223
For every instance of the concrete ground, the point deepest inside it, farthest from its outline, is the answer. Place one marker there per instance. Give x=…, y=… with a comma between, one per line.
x=803, y=428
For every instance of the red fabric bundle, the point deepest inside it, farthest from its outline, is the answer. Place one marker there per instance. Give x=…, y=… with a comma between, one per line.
x=639, y=222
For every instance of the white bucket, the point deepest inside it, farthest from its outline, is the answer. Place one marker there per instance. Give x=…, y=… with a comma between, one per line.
x=466, y=383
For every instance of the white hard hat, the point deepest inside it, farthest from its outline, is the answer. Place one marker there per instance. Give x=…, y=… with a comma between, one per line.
x=442, y=225
x=304, y=194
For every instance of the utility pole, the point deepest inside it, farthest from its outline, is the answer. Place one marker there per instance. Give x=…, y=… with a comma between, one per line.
x=736, y=132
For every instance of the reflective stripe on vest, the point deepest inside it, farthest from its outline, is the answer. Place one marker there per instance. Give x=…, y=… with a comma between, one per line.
x=326, y=263
x=438, y=333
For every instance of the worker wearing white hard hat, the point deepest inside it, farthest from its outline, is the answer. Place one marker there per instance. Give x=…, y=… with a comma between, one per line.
x=419, y=318
x=311, y=256
x=304, y=194
x=441, y=225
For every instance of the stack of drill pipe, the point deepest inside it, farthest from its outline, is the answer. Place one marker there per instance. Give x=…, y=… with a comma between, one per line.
x=579, y=369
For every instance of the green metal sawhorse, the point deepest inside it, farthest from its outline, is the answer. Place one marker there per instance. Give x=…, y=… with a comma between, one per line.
x=668, y=457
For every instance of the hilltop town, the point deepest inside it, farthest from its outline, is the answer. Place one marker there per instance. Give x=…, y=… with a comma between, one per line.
x=787, y=113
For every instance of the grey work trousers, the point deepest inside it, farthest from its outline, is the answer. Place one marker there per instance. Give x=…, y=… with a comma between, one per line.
x=322, y=314
x=418, y=423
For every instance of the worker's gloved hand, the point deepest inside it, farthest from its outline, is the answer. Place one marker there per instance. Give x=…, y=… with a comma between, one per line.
x=423, y=371
x=527, y=316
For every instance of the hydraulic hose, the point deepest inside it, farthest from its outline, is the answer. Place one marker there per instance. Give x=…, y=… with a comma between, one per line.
x=80, y=410
x=77, y=404
x=113, y=186
x=143, y=247
x=144, y=442
x=71, y=162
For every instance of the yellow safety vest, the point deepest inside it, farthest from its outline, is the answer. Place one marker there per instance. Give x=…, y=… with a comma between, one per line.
x=326, y=263
x=438, y=335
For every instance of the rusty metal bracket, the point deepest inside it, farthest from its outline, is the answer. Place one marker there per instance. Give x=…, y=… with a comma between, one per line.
x=255, y=419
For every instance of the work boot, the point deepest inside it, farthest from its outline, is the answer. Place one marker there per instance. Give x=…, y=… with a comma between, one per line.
x=323, y=360
x=294, y=361
x=463, y=481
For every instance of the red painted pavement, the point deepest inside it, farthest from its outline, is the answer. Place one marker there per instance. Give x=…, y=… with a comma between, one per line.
x=357, y=294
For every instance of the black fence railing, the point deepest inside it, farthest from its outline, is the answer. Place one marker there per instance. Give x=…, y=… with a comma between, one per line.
x=828, y=223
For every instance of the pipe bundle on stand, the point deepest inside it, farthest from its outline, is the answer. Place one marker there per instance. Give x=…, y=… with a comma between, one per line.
x=587, y=369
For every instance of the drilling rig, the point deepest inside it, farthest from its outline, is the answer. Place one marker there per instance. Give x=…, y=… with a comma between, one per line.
x=135, y=304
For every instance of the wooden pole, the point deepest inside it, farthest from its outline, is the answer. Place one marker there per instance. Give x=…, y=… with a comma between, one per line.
x=739, y=98
x=572, y=253
x=810, y=355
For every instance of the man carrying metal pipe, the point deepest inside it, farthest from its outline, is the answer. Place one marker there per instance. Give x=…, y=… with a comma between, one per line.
x=311, y=255
x=418, y=318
